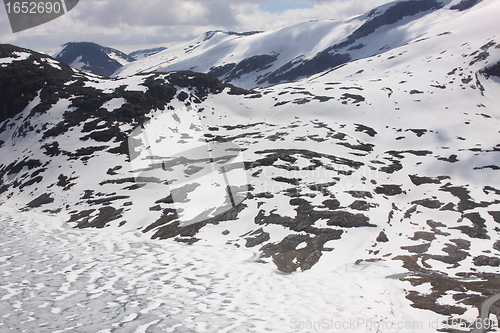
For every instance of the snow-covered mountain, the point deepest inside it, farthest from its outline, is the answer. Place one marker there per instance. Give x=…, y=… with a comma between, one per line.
x=140, y=54
x=389, y=160
x=98, y=59
x=92, y=57
x=301, y=50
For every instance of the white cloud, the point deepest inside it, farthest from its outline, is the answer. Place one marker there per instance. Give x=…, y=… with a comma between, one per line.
x=130, y=24
x=250, y=16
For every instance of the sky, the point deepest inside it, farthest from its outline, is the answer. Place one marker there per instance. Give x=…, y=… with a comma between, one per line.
x=130, y=25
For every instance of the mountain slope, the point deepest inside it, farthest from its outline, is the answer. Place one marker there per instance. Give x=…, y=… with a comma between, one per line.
x=140, y=54
x=390, y=160
x=301, y=50
x=92, y=57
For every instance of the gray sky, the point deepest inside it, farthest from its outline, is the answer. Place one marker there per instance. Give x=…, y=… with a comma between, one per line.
x=129, y=25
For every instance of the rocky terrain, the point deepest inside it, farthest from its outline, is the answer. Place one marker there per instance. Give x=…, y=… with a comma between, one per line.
x=389, y=159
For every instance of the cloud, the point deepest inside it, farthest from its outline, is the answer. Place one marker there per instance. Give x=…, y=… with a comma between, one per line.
x=221, y=14
x=278, y=6
x=130, y=24
x=322, y=10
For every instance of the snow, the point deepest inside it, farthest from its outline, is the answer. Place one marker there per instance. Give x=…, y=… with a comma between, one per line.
x=56, y=279
x=6, y=60
x=223, y=48
x=56, y=52
x=154, y=143
x=114, y=104
x=77, y=63
x=122, y=61
x=135, y=84
x=296, y=42
x=19, y=56
x=53, y=63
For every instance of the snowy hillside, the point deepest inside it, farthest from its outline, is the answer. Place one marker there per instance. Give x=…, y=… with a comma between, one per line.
x=298, y=51
x=140, y=54
x=388, y=165
x=92, y=58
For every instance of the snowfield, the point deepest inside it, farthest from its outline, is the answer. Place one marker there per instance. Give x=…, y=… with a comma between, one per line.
x=361, y=198
x=58, y=279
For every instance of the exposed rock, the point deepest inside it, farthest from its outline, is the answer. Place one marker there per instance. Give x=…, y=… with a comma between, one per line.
x=466, y=202
x=368, y=130
x=429, y=203
x=382, y=237
x=452, y=159
x=368, y=147
x=417, y=180
x=107, y=200
x=41, y=200
x=392, y=15
x=356, y=98
x=478, y=230
x=167, y=216
x=348, y=220
x=495, y=215
x=483, y=260
x=423, y=235
x=418, y=132
x=331, y=204
x=320, y=62
x=65, y=182
x=288, y=258
x=175, y=228
x=106, y=215
x=260, y=236
x=464, y=4
x=291, y=181
x=17, y=91
x=286, y=155
x=493, y=70
x=435, y=227
x=462, y=243
x=360, y=194
x=233, y=71
x=360, y=205
x=422, y=248
x=389, y=190
x=94, y=58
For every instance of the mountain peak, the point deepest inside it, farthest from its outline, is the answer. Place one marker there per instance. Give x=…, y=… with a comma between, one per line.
x=24, y=74
x=92, y=57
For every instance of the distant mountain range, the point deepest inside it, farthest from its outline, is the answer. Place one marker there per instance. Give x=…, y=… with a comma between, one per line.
x=97, y=59
x=257, y=58
x=301, y=50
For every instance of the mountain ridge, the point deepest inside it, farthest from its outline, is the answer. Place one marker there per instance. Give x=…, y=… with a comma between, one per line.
x=278, y=56
x=92, y=57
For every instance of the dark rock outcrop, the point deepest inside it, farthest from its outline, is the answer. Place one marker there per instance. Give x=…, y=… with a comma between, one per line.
x=93, y=57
